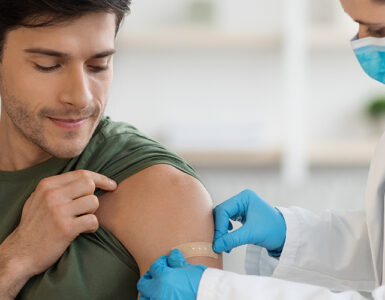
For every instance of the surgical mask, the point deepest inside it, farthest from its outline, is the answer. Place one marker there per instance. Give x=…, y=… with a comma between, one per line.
x=370, y=52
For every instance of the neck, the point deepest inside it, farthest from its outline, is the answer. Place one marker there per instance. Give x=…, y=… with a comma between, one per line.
x=16, y=152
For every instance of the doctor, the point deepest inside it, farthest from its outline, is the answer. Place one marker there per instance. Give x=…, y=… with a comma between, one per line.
x=333, y=255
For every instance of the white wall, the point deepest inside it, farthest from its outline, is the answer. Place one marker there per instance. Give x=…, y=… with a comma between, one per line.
x=159, y=90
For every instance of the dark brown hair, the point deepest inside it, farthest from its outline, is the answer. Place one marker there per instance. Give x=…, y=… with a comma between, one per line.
x=39, y=13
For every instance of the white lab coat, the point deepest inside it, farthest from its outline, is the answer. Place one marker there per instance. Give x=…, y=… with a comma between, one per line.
x=332, y=255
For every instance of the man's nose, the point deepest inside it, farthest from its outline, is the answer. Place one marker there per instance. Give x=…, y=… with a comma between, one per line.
x=76, y=90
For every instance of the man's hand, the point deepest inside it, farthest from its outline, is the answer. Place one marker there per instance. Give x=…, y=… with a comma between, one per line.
x=263, y=225
x=61, y=208
x=171, y=278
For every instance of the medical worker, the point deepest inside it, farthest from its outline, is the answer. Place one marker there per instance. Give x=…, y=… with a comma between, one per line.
x=335, y=255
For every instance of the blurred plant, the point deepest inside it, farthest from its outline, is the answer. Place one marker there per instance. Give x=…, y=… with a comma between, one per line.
x=376, y=107
x=201, y=11
x=376, y=111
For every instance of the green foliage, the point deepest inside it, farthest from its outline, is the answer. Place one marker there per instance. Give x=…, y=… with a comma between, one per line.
x=376, y=107
x=201, y=11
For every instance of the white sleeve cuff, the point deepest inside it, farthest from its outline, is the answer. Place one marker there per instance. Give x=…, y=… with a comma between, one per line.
x=259, y=262
x=217, y=284
x=293, y=236
x=208, y=285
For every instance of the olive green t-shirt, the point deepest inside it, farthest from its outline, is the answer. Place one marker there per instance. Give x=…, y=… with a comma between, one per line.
x=95, y=266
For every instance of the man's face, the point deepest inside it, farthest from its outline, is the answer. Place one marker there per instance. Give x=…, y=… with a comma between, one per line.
x=370, y=16
x=54, y=82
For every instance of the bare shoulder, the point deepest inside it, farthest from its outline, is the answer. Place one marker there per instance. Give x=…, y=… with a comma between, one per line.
x=157, y=209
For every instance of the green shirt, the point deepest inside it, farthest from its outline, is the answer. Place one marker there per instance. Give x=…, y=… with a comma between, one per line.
x=95, y=266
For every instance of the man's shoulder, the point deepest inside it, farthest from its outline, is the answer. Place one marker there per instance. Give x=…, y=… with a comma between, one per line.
x=119, y=150
x=118, y=138
x=109, y=131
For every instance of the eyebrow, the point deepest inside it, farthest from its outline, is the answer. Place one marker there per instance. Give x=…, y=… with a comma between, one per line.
x=58, y=54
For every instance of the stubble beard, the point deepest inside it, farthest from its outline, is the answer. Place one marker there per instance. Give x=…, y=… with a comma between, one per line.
x=30, y=125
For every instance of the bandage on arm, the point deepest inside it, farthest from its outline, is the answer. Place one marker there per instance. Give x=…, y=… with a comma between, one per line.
x=197, y=249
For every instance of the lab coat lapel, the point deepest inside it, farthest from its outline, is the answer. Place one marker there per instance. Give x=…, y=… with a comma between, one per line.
x=375, y=192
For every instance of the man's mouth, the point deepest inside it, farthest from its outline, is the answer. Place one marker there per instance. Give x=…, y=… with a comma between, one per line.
x=69, y=124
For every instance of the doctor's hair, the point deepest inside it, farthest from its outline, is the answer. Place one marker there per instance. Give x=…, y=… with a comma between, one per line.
x=40, y=13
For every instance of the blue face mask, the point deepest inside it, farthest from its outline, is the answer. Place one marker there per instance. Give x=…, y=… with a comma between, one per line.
x=370, y=52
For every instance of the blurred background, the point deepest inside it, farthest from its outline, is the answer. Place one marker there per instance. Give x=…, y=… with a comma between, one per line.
x=256, y=94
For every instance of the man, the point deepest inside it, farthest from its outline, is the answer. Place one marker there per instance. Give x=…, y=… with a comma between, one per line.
x=86, y=204
x=341, y=251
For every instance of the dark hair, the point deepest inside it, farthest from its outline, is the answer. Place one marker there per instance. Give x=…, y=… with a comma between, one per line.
x=39, y=13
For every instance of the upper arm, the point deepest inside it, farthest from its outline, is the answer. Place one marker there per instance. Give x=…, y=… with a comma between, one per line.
x=157, y=209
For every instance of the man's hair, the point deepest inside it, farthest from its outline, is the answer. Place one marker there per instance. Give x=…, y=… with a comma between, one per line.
x=39, y=13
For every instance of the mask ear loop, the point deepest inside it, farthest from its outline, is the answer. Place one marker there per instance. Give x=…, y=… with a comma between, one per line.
x=196, y=249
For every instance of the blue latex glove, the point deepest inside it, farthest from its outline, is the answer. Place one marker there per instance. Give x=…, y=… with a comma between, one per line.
x=171, y=278
x=263, y=225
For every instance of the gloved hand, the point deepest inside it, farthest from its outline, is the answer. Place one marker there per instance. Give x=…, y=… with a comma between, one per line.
x=263, y=225
x=171, y=278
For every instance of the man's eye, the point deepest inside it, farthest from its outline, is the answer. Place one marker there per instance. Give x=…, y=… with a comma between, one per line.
x=46, y=69
x=98, y=68
x=52, y=68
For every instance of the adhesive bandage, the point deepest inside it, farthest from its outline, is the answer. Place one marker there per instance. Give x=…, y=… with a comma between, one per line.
x=197, y=249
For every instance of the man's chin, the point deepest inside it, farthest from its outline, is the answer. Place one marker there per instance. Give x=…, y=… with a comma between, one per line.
x=67, y=155
x=67, y=152
x=69, y=145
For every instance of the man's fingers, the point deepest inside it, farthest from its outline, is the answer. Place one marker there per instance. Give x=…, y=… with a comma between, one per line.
x=84, y=205
x=76, y=189
x=96, y=180
x=85, y=182
x=230, y=240
x=86, y=224
x=56, y=181
x=76, y=184
x=176, y=259
x=103, y=182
